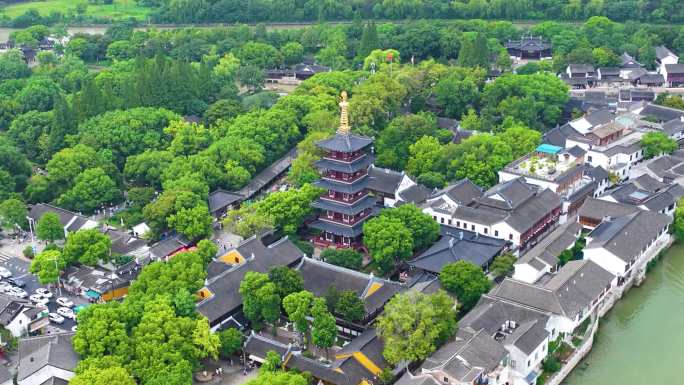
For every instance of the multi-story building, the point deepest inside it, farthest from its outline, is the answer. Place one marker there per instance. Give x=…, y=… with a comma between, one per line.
x=562, y=171
x=346, y=204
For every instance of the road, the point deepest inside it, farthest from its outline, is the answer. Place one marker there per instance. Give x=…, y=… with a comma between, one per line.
x=19, y=269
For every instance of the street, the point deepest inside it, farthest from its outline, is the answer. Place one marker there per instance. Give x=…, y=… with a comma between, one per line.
x=19, y=269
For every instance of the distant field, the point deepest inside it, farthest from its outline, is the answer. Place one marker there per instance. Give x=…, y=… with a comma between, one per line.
x=119, y=9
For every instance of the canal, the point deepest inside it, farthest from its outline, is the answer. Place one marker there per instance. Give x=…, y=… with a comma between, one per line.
x=641, y=340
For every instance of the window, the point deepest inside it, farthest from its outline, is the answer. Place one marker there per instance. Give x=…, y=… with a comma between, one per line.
x=510, y=237
x=446, y=379
x=441, y=220
x=589, y=159
x=513, y=364
x=449, y=222
x=472, y=227
x=458, y=223
x=528, y=363
x=486, y=230
x=496, y=233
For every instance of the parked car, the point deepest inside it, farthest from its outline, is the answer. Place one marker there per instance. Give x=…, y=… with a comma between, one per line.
x=4, y=286
x=39, y=299
x=64, y=301
x=16, y=282
x=43, y=292
x=4, y=273
x=17, y=292
x=56, y=318
x=66, y=312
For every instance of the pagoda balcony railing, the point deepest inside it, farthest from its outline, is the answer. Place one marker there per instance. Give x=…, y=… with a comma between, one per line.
x=342, y=179
x=348, y=222
x=344, y=157
x=339, y=199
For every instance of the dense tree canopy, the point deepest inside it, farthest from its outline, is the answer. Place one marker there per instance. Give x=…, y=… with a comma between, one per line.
x=466, y=280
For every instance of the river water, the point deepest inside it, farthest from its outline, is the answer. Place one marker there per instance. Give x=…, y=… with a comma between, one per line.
x=641, y=340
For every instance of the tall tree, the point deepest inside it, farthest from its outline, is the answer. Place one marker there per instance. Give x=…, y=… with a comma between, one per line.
x=466, y=280
x=49, y=228
x=414, y=325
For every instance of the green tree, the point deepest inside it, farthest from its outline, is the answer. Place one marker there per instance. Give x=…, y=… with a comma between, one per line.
x=394, y=141
x=474, y=51
x=414, y=324
x=260, y=300
x=47, y=266
x=286, y=280
x=678, y=225
x=502, y=265
x=348, y=258
x=350, y=307
x=49, y=228
x=479, y=158
x=102, y=331
x=388, y=241
x=12, y=214
x=194, y=222
x=657, y=143
x=298, y=308
x=424, y=229
x=292, y=53
x=87, y=247
x=92, y=188
x=466, y=280
x=425, y=155
x=231, y=341
x=323, y=326
x=108, y=376
x=520, y=139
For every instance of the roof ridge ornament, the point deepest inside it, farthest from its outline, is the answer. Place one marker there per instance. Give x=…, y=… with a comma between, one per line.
x=344, y=128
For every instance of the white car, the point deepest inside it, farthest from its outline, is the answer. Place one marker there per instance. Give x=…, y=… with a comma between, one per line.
x=45, y=293
x=39, y=299
x=17, y=292
x=4, y=286
x=66, y=312
x=4, y=273
x=64, y=301
x=56, y=318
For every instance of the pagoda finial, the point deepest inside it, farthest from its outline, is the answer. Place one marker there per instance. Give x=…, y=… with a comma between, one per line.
x=344, y=128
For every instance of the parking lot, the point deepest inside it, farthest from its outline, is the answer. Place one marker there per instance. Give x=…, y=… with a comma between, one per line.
x=19, y=268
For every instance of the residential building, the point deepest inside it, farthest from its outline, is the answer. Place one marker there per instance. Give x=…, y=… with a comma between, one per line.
x=221, y=201
x=560, y=170
x=169, y=246
x=296, y=74
x=20, y=317
x=98, y=284
x=455, y=245
x=668, y=168
x=624, y=244
x=394, y=188
x=608, y=76
x=69, y=220
x=594, y=211
x=650, y=80
x=321, y=277
x=543, y=258
x=628, y=65
x=529, y=47
x=647, y=193
x=579, y=75
x=664, y=57
x=442, y=203
x=674, y=74
x=658, y=113
x=514, y=211
x=220, y=300
x=267, y=177
x=47, y=359
x=574, y=293
x=359, y=362
x=346, y=204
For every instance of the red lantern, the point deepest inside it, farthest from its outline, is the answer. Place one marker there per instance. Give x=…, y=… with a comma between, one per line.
x=390, y=56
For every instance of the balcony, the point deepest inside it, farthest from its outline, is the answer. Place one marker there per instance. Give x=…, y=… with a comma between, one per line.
x=340, y=198
x=344, y=177
x=344, y=156
x=348, y=221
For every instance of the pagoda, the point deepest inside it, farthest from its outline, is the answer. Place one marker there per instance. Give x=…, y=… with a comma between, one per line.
x=346, y=204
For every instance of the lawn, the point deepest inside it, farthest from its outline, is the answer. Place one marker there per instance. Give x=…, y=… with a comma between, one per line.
x=119, y=9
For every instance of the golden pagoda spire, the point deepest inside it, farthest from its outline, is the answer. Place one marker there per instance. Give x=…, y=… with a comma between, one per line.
x=344, y=128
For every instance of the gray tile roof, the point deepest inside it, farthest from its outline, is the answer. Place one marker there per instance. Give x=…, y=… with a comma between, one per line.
x=357, y=164
x=578, y=284
x=319, y=276
x=552, y=245
x=221, y=199
x=338, y=228
x=384, y=180
x=529, y=295
x=53, y=350
x=662, y=52
x=345, y=143
x=168, y=246
x=415, y=194
x=224, y=282
x=463, y=192
x=673, y=126
x=580, y=68
x=598, y=209
x=628, y=61
x=419, y=379
x=661, y=113
x=55, y=381
x=267, y=175
x=627, y=236
x=674, y=69
x=459, y=245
